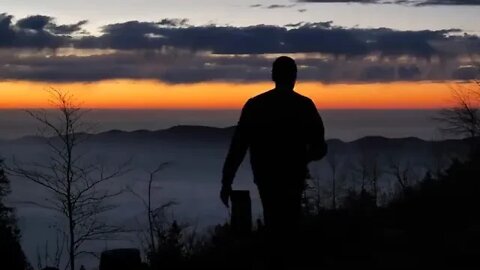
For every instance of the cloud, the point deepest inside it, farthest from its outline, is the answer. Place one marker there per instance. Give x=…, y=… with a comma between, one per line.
x=7, y=35
x=409, y=72
x=378, y=73
x=322, y=37
x=279, y=6
x=179, y=66
x=170, y=66
x=36, y=31
x=171, y=50
x=401, y=2
x=272, y=6
x=467, y=72
x=342, y=1
x=36, y=22
x=448, y=2
x=67, y=29
x=173, y=22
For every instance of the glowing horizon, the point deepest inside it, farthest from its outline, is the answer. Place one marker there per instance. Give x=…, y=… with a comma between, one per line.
x=148, y=94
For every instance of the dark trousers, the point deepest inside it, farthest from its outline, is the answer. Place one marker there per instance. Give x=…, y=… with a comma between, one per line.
x=282, y=211
x=282, y=205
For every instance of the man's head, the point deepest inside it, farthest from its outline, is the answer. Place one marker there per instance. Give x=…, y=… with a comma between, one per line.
x=284, y=72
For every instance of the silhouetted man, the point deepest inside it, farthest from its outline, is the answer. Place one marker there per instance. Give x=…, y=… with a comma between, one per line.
x=284, y=132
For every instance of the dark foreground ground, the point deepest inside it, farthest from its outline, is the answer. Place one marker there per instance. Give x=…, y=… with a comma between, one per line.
x=432, y=225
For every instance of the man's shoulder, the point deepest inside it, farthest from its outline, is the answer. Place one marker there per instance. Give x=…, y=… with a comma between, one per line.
x=272, y=94
x=262, y=96
x=260, y=99
x=272, y=97
x=303, y=98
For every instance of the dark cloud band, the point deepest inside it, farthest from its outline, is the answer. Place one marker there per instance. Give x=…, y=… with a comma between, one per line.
x=324, y=37
x=173, y=66
x=266, y=39
x=402, y=2
x=174, y=51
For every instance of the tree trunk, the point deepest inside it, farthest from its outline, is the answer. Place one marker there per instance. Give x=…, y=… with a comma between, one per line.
x=72, y=244
x=334, y=191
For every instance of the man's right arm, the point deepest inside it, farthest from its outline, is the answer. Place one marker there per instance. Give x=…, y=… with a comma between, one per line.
x=236, y=153
x=238, y=147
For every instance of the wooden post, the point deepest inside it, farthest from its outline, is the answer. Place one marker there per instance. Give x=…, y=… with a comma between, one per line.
x=120, y=259
x=241, y=220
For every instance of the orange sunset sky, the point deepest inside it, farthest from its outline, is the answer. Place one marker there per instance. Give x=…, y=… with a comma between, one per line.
x=143, y=94
x=194, y=54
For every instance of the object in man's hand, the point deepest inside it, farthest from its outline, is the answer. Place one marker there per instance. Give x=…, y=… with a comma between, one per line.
x=120, y=259
x=241, y=220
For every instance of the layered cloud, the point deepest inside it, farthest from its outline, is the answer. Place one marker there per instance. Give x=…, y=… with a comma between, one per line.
x=172, y=50
x=341, y=1
x=402, y=2
x=36, y=32
x=449, y=2
x=321, y=37
x=273, y=6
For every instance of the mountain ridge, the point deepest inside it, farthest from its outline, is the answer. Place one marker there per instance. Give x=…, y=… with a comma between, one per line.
x=209, y=134
x=193, y=130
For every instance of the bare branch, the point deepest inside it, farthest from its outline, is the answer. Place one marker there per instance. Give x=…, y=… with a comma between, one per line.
x=76, y=188
x=463, y=118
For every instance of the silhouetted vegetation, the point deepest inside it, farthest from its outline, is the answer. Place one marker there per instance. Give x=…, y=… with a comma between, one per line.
x=76, y=186
x=433, y=223
x=463, y=118
x=11, y=253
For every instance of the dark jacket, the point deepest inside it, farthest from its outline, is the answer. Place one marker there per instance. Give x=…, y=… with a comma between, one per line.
x=283, y=131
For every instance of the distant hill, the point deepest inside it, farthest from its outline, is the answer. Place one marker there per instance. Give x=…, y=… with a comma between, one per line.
x=221, y=136
x=176, y=133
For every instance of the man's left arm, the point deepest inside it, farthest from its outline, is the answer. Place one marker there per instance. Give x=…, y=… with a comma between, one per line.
x=317, y=148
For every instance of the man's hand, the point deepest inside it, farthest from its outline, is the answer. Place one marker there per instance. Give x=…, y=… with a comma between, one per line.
x=225, y=194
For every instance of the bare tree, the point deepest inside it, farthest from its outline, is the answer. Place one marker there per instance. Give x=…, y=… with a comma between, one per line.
x=369, y=169
x=333, y=163
x=49, y=260
x=375, y=172
x=154, y=213
x=440, y=159
x=401, y=171
x=316, y=196
x=361, y=168
x=463, y=118
x=77, y=189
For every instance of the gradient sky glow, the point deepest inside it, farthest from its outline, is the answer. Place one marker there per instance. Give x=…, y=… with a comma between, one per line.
x=371, y=70
x=116, y=68
x=141, y=94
